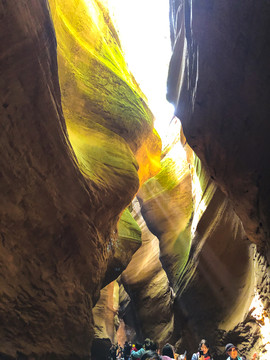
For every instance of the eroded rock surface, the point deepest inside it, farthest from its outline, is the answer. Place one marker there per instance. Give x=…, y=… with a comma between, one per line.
x=203, y=247
x=64, y=189
x=147, y=285
x=60, y=203
x=218, y=81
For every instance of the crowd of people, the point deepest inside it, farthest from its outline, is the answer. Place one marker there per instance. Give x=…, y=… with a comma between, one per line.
x=149, y=350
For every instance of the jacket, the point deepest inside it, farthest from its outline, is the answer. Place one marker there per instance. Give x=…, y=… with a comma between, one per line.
x=196, y=356
x=137, y=354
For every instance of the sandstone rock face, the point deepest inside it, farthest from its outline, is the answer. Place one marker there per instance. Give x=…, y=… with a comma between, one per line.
x=128, y=241
x=73, y=157
x=204, y=251
x=147, y=285
x=105, y=314
x=60, y=203
x=47, y=238
x=167, y=207
x=218, y=81
x=105, y=110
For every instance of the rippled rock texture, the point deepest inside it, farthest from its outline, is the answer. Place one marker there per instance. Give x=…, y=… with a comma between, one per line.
x=218, y=82
x=68, y=170
x=143, y=303
x=77, y=142
x=203, y=247
x=147, y=285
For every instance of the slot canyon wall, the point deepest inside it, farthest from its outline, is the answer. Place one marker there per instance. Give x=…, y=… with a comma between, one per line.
x=75, y=128
x=218, y=82
x=83, y=262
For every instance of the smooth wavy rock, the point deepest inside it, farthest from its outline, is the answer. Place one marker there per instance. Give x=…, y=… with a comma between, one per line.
x=62, y=189
x=203, y=247
x=147, y=285
x=218, y=82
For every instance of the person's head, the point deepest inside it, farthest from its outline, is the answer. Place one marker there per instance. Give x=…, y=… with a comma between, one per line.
x=147, y=344
x=231, y=350
x=154, y=346
x=138, y=346
x=204, y=346
x=150, y=355
x=168, y=350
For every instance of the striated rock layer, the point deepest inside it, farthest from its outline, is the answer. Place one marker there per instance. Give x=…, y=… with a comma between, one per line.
x=147, y=285
x=143, y=304
x=218, y=83
x=60, y=203
x=106, y=112
x=73, y=154
x=204, y=250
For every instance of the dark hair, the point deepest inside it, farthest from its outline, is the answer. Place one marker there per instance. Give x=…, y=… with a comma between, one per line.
x=168, y=350
x=147, y=344
x=150, y=355
x=138, y=345
x=203, y=342
x=154, y=345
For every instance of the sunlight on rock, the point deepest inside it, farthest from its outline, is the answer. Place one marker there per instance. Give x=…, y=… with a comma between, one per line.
x=260, y=314
x=147, y=50
x=174, y=150
x=183, y=159
x=106, y=113
x=199, y=203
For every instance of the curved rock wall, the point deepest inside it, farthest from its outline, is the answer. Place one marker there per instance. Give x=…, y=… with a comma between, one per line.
x=218, y=83
x=73, y=157
x=145, y=299
x=147, y=284
x=204, y=250
x=47, y=238
x=106, y=112
x=167, y=208
x=62, y=192
x=105, y=314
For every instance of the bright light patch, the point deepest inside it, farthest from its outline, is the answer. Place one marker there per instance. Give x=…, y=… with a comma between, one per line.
x=143, y=27
x=199, y=202
x=173, y=148
x=260, y=314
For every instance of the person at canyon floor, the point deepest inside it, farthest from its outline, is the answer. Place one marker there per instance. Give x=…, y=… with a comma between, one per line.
x=112, y=352
x=167, y=352
x=139, y=351
x=150, y=355
x=232, y=351
x=203, y=351
x=127, y=350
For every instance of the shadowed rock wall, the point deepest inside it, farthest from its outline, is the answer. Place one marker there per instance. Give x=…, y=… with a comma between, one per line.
x=64, y=189
x=218, y=83
x=203, y=247
x=144, y=299
x=60, y=204
x=147, y=285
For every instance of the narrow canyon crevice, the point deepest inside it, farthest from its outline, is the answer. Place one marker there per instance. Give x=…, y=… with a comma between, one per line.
x=107, y=234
